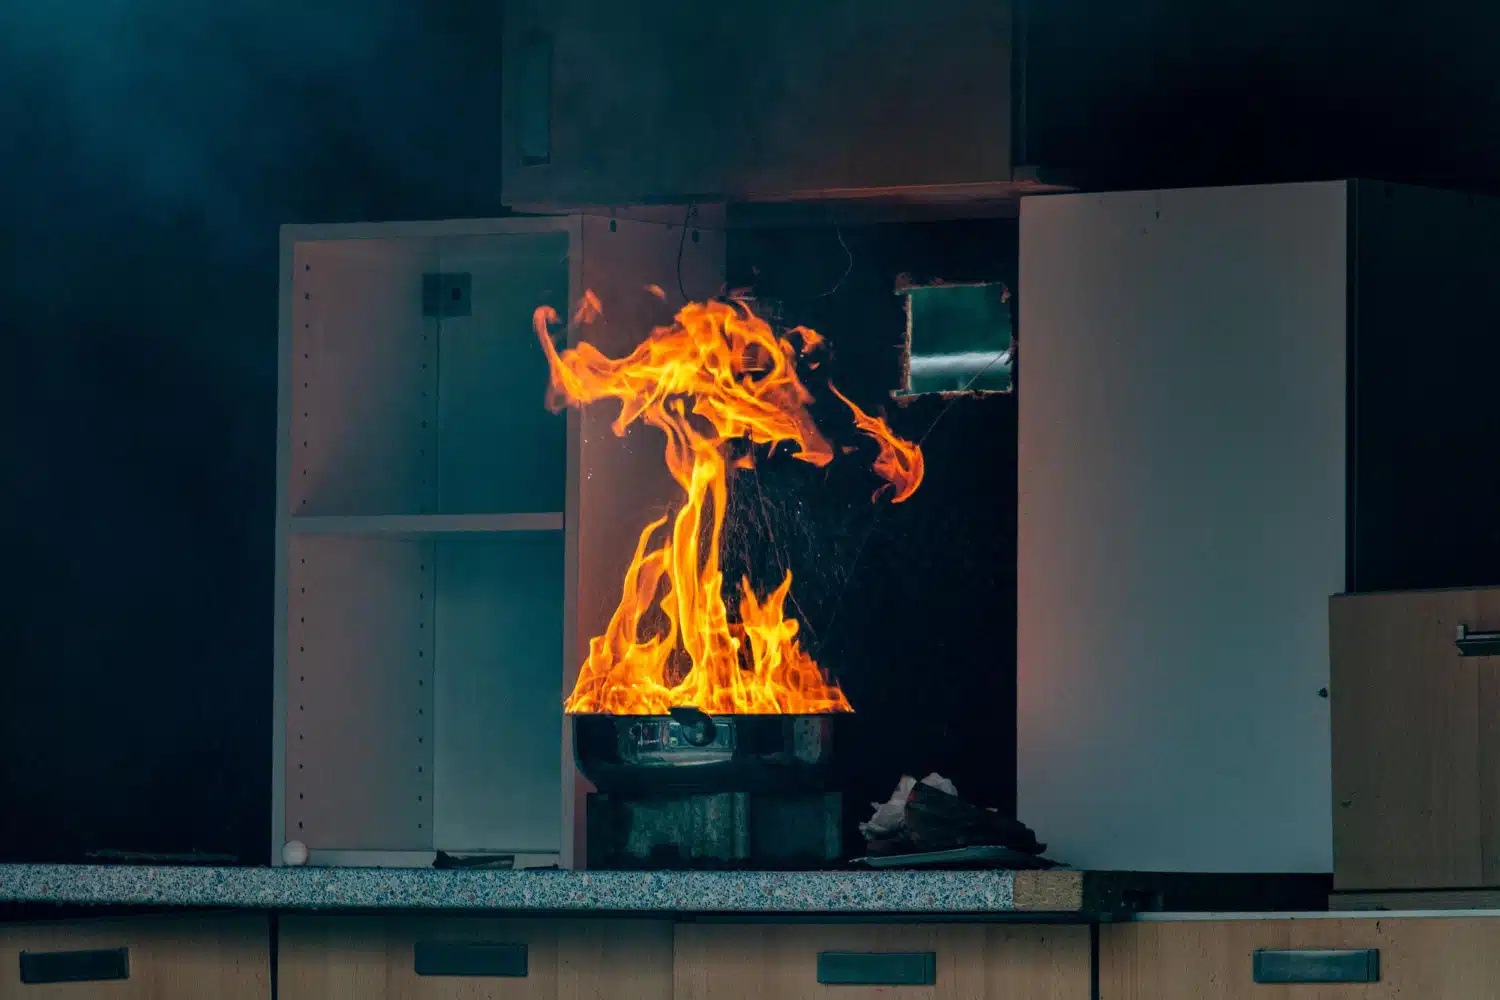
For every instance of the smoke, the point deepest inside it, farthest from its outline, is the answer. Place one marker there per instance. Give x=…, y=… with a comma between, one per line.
x=245, y=113
x=152, y=150
x=155, y=146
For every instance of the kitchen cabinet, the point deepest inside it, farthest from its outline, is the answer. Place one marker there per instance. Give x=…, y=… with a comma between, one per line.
x=452, y=958
x=1416, y=741
x=1234, y=403
x=1214, y=959
x=793, y=961
x=608, y=104
x=445, y=544
x=225, y=956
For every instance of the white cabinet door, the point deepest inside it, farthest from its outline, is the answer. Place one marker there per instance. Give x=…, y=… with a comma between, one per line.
x=1181, y=524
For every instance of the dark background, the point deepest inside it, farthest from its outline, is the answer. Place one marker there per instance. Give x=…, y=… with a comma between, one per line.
x=155, y=146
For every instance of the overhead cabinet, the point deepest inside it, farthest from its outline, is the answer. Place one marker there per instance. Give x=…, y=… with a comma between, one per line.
x=609, y=103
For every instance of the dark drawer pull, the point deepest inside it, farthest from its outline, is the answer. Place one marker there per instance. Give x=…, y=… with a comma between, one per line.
x=1358, y=965
x=442, y=958
x=1477, y=643
x=877, y=968
x=38, y=967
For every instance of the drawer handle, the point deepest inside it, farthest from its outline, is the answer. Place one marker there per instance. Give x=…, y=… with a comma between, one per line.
x=100, y=965
x=444, y=958
x=1356, y=965
x=1477, y=643
x=877, y=968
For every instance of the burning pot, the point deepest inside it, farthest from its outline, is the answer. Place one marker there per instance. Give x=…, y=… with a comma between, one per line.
x=691, y=752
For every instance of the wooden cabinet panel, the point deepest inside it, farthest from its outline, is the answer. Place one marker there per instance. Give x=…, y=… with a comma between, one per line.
x=1414, y=796
x=973, y=961
x=374, y=958
x=226, y=957
x=1184, y=961
x=1211, y=960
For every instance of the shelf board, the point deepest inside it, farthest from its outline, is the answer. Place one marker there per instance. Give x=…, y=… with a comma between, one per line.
x=398, y=525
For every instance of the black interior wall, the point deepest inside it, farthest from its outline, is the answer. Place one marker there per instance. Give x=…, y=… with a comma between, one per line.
x=1423, y=340
x=912, y=605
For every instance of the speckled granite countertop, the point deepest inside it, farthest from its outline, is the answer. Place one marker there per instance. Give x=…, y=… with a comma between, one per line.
x=617, y=891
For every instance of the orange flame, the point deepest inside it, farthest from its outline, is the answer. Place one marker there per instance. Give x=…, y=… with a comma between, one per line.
x=899, y=462
x=717, y=374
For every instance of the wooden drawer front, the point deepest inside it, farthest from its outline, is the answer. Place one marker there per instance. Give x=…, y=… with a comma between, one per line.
x=968, y=961
x=1414, y=742
x=1429, y=957
x=227, y=957
x=448, y=958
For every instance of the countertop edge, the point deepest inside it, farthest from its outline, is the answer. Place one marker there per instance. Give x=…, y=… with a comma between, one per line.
x=659, y=892
x=1057, y=894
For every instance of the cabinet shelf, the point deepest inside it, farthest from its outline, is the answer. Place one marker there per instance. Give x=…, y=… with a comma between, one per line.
x=414, y=525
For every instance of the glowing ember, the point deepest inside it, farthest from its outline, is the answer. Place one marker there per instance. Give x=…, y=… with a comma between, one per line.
x=716, y=375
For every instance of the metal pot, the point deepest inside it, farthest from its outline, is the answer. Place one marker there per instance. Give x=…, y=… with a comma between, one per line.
x=690, y=751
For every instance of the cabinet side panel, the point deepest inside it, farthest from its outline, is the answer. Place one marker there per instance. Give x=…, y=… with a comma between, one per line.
x=1427, y=342
x=285, y=323
x=1181, y=524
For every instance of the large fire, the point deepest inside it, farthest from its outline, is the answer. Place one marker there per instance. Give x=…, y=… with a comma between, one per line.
x=717, y=375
